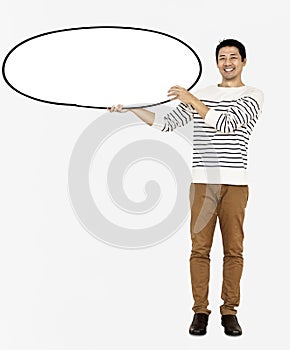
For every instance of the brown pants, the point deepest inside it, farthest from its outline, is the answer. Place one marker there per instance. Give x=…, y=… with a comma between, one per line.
x=228, y=203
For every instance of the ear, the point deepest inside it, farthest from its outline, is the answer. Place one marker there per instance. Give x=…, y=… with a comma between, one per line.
x=244, y=62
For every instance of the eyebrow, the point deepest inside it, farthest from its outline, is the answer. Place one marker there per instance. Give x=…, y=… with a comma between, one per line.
x=232, y=54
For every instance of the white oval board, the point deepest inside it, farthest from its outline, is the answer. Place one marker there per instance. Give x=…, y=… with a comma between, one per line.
x=96, y=67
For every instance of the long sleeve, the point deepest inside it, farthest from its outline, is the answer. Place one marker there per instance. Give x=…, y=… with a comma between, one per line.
x=240, y=112
x=177, y=117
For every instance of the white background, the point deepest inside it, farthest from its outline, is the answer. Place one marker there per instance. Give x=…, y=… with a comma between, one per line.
x=63, y=289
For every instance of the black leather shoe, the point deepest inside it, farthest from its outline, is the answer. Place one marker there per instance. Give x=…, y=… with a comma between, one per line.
x=199, y=324
x=231, y=325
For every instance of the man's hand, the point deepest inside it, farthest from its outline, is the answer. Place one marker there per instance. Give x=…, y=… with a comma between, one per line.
x=118, y=108
x=181, y=94
x=186, y=97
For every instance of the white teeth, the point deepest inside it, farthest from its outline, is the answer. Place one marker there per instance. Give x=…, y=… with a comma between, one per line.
x=228, y=69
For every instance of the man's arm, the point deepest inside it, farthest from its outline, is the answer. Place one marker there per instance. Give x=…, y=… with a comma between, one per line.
x=145, y=115
x=177, y=117
x=241, y=112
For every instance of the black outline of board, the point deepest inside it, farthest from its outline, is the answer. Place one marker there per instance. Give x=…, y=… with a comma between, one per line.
x=96, y=27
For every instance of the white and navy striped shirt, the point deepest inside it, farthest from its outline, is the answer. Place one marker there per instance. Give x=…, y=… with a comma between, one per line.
x=220, y=140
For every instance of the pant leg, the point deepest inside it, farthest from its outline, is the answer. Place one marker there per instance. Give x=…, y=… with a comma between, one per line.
x=203, y=202
x=231, y=212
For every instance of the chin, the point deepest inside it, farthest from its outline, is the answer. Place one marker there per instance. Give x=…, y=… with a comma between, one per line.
x=229, y=78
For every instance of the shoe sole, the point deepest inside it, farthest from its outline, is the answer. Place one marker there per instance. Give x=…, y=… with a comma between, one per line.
x=197, y=332
x=233, y=334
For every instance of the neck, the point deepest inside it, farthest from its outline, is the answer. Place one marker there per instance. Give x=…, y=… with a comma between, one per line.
x=231, y=83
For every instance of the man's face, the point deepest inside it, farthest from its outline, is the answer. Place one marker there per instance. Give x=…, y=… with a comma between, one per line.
x=230, y=63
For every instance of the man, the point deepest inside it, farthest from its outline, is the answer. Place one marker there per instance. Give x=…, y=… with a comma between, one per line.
x=223, y=116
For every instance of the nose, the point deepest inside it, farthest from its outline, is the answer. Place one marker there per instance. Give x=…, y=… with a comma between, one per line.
x=227, y=62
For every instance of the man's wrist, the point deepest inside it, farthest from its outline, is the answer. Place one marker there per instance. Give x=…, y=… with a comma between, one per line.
x=194, y=100
x=199, y=106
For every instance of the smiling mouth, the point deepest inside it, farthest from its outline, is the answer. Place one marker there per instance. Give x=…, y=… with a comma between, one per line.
x=228, y=69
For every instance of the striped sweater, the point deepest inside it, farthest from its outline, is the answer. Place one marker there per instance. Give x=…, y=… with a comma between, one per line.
x=220, y=140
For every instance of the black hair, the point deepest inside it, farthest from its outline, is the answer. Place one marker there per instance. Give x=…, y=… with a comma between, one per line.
x=231, y=42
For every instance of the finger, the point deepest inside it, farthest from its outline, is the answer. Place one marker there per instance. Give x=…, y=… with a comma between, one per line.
x=119, y=108
x=114, y=108
x=172, y=94
x=175, y=92
x=178, y=88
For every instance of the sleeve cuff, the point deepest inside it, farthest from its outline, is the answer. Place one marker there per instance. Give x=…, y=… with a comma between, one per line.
x=161, y=112
x=211, y=118
x=158, y=122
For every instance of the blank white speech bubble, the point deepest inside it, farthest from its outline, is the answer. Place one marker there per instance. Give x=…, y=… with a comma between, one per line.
x=96, y=67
